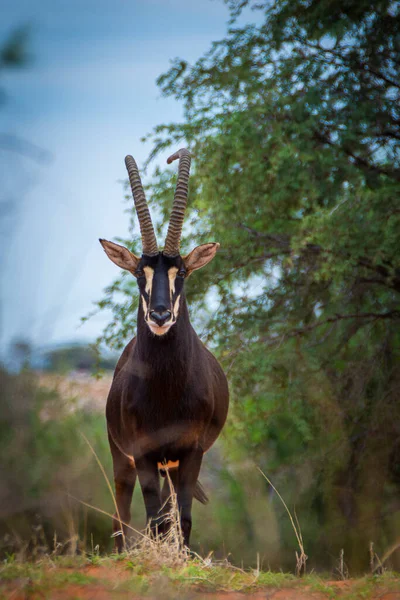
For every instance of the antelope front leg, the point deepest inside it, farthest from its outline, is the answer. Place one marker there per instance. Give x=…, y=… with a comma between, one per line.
x=124, y=479
x=189, y=469
x=149, y=480
x=124, y=485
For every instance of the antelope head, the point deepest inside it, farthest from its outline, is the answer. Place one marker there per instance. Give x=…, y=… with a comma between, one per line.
x=160, y=274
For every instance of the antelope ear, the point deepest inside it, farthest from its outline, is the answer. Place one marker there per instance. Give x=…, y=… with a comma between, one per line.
x=120, y=255
x=200, y=256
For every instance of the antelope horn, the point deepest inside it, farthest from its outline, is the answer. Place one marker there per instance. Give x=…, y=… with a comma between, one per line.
x=173, y=238
x=149, y=241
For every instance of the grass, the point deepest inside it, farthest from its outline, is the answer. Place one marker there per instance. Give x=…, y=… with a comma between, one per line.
x=119, y=574
x=301, y=556
x=162, y=567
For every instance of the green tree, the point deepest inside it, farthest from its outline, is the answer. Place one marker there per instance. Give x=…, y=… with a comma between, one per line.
x=295, y=126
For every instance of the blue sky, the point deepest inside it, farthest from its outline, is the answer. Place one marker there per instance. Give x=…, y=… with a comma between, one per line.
x=87, y=98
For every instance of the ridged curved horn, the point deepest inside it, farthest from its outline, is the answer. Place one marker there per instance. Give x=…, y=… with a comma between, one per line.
x=149, y=241
x=173, y=238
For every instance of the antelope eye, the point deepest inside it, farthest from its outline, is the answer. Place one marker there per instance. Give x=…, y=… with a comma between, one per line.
x=181, y=273
x=139, y=273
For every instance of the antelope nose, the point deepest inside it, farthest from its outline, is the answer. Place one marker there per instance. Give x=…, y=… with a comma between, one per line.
x=160, y=317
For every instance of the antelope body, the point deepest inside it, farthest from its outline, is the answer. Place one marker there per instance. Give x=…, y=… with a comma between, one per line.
x=169, y=397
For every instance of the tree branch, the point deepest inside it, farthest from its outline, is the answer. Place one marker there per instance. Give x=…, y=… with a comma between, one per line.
x=371, y=316
x=358, y=160
x=362, y=66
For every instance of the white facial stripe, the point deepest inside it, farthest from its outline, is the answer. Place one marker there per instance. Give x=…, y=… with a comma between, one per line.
x=172, y=276
x=144, y=306
x=176, y=308
x=149, y=272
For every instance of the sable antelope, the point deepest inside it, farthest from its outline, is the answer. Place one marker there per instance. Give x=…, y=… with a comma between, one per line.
x=169, y=397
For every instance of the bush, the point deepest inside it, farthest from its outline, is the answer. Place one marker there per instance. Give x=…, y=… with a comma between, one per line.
x=44, y=460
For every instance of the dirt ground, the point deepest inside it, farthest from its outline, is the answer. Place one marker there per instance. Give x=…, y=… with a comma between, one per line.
x=113, y=582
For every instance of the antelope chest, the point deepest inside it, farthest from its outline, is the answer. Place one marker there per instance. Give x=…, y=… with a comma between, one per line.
x=167, y=425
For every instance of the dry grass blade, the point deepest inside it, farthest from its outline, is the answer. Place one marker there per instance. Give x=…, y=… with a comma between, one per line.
x=387, y=555
x=172, y=518
x=301, y=558
x=342, y=569
x=109, y=487
x=375, y=563
x=104, y=512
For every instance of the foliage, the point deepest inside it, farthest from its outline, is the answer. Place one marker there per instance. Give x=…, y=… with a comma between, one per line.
x=13, y=52
x=43, y=459
x=295, y=126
